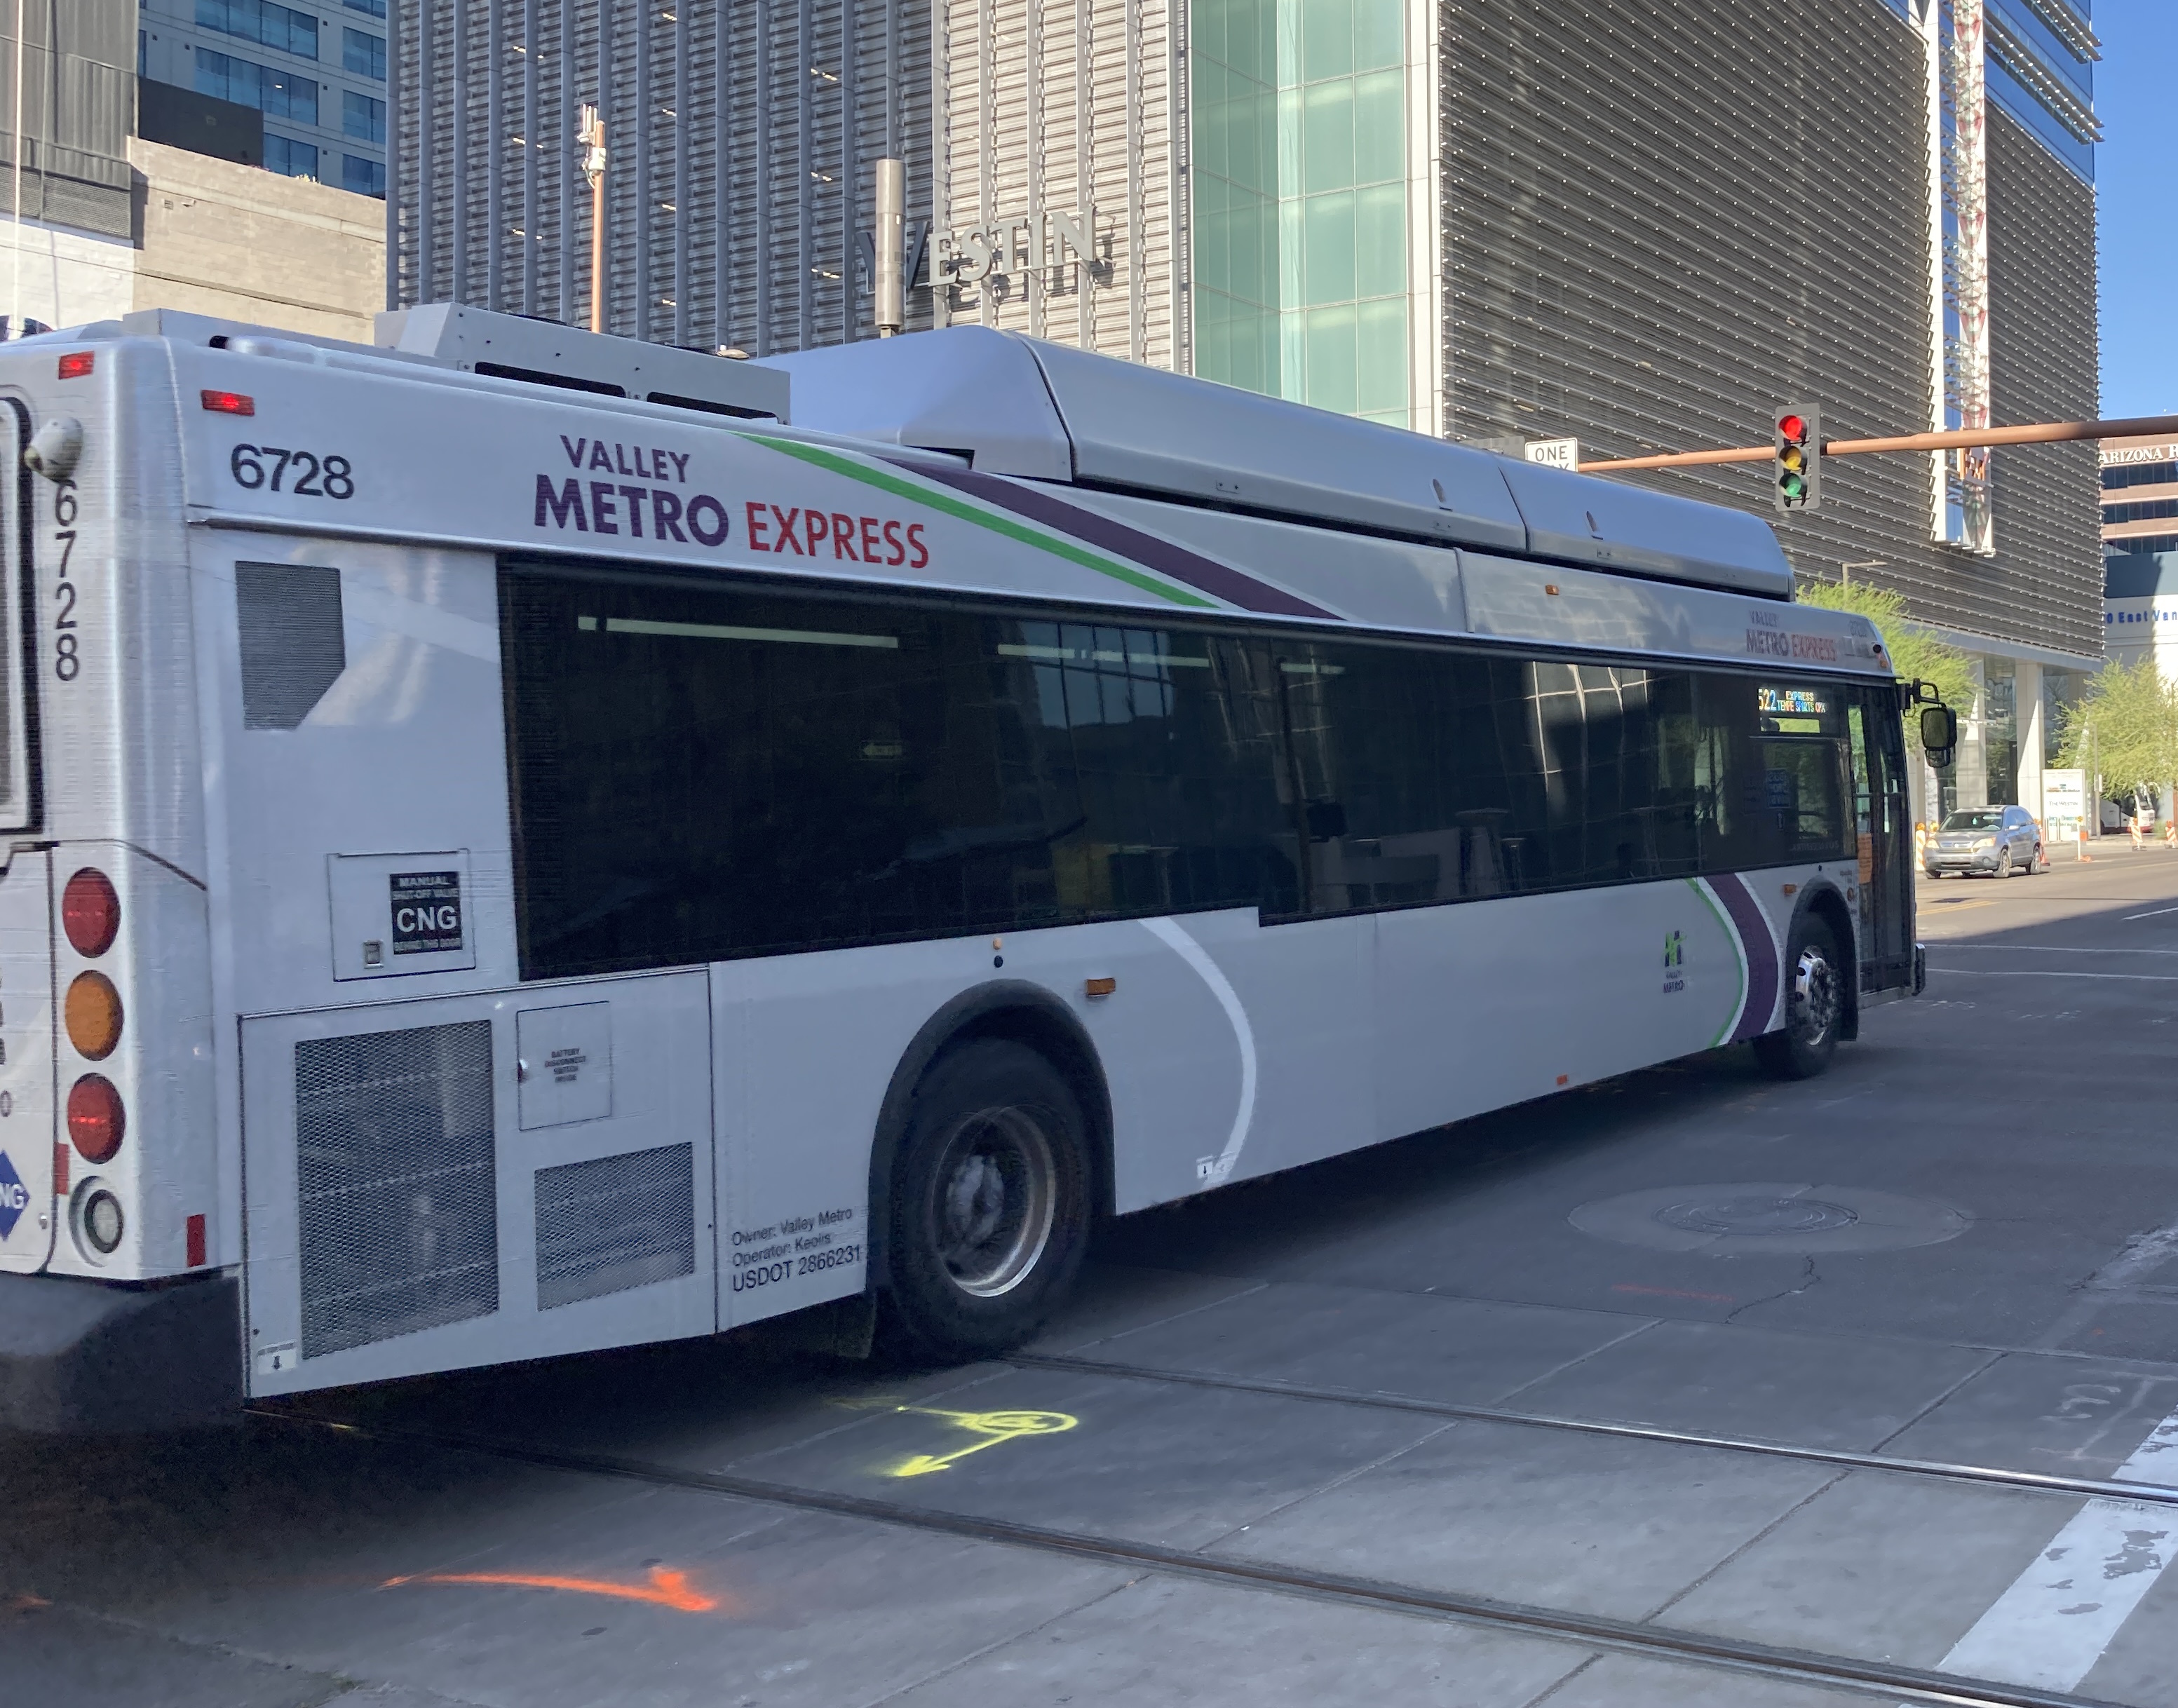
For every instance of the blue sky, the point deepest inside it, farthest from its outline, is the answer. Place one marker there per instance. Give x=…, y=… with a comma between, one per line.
x=2135, y=86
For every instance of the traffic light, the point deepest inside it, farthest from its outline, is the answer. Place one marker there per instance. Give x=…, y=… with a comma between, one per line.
x=1796, y=474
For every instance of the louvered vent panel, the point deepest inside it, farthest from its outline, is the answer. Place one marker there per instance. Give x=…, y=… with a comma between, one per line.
x=398, y=1211
x=613, y=1223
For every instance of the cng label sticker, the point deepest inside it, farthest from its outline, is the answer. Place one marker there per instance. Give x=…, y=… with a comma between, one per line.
x=15, y=1196
x=427, y=911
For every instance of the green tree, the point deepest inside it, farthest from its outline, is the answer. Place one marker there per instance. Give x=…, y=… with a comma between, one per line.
x=1917, y=654
x=2126, y=725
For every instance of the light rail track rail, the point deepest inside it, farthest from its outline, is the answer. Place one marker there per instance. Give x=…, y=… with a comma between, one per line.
x=1906, y=1684
x=2043, y=1482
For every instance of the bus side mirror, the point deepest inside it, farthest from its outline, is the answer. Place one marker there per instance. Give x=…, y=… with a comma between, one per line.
x=1940, y=733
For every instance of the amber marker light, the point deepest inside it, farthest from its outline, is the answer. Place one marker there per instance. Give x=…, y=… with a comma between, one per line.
x=96, y=1119
x=93, y=1015
x=228, y=403
x=90, y=912
x=77, y=364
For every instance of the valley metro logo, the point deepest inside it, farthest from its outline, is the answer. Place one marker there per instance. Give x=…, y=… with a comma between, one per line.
x=1675, y=950
x=15, y=1196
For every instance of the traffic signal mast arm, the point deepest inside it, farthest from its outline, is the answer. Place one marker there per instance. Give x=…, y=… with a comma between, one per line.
x=2043, y=433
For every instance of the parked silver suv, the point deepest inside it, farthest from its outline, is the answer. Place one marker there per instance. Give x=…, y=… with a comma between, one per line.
x=1995, y=842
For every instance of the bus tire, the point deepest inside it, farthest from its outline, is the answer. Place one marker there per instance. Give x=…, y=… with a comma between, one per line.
x=1814, y=1005
x=989, y=1213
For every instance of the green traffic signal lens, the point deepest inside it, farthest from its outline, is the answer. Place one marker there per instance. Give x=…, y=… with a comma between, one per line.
x=1792, y=486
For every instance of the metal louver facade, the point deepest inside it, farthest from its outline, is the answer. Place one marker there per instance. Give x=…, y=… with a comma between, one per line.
x=1071, y=108
x=1630, y=256
x=741, y=140
x=2044, y=585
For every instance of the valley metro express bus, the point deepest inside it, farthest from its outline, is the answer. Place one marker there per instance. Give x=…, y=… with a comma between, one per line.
x=521, y=841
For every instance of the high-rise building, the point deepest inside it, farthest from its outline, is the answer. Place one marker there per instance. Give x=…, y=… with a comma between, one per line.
x=2140, y=551
x=1643, y=224
x=316, y=70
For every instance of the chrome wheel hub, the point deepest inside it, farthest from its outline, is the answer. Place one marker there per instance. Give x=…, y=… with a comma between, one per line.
x=995, y=1200
x=1816, y=997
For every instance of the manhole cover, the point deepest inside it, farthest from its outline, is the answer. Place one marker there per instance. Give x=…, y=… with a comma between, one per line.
x=1770, y=1218
x=1756, y=1216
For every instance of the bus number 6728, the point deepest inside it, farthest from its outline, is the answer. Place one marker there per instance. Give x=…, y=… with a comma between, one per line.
x=66, y=663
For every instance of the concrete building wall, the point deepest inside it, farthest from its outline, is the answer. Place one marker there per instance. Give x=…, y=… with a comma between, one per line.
x=211, y=237
x=218, y=239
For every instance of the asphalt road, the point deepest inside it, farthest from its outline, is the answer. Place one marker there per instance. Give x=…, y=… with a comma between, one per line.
x=1688, y=1388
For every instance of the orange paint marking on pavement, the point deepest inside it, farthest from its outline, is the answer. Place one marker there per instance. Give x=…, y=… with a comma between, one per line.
x=666, y=1589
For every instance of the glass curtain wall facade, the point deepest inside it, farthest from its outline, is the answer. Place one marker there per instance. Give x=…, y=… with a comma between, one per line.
x=1300, y=212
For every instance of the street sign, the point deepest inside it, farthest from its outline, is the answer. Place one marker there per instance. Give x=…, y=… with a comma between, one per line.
x=1555, y=454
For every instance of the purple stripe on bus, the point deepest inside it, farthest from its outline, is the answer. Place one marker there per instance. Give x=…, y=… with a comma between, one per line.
x=1761, y=951
x=1204, y=574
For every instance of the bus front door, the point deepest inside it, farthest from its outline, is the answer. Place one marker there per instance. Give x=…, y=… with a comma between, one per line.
x=1886, y=844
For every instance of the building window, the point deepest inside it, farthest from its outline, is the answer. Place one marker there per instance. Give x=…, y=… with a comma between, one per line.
x=363, y=177
x=2140, y=510
x=2140, y=474
x=377, y=8
x=290, y=158
x=277, y=94
x=363, y=53
x=1300, y=260
x=263, y=22
x=362, y=116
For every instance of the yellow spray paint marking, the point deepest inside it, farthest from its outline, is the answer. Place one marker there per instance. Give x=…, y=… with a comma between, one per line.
x=993, y=1427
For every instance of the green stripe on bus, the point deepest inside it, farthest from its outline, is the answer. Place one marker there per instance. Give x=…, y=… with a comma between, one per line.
x=996, y=522
x=1739, y=957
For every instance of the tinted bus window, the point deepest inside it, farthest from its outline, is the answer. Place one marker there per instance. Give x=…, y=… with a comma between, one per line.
x=705, y=771
x=702, y=773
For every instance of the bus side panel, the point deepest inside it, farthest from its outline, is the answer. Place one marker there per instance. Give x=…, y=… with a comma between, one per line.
x=1303, y=1014
x=476, y=1179
x=1492, y=1002
x=806, y=1046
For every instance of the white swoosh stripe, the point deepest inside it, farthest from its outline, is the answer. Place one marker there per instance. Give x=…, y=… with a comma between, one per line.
x=1188, y=950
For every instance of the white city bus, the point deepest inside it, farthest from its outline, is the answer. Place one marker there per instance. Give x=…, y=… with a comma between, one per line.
x=515, y=848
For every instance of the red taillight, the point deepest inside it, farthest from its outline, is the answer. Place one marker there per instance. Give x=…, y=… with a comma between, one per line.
x=77, y=364
x=90, y=912
x=229, y=402
x=96, y=1119
x=196, y=1242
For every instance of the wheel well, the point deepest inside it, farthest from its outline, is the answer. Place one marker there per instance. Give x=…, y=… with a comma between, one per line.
x=1826, y=904
x=1022, y=1013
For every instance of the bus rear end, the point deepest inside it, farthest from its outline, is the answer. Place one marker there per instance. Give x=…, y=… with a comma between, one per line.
x=114, y=1311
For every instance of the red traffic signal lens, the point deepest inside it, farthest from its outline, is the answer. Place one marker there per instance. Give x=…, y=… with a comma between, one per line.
x=1793, y=429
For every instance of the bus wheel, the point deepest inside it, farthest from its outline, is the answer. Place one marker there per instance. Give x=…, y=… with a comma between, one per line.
x=1815, y=1002
x=989, y=1208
